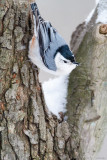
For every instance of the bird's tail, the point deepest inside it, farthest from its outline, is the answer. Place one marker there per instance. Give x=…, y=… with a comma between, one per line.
x=34, y=7
x=37, y=17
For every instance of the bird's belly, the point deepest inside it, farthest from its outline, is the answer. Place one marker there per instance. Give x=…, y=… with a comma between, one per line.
x=34, y=53
x=35, y=57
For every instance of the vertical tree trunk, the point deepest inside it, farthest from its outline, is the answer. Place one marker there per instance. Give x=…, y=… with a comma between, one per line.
x=27, y=129
x=87, y=91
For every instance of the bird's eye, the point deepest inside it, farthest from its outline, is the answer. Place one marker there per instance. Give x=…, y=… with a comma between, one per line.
x=64, y=61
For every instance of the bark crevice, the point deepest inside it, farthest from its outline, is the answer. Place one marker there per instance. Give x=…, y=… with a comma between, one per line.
x=27, y=129
x=16, y=156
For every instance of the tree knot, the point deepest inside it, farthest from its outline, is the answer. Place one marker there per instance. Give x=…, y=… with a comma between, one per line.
x=103, y=29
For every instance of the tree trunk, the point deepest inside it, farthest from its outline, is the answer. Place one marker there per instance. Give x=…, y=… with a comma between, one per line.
x=27, y=129
x=87, y=90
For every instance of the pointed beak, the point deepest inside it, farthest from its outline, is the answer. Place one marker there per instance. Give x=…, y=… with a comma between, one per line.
x=76, y=63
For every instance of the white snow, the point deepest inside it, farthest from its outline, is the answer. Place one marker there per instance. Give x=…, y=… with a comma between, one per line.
x=55, y=93
x=102, y=12
x=89, y=16
x=97, y=1
x=87, y=20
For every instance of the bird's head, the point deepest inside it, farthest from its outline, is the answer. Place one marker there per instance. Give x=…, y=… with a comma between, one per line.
x=65, y=60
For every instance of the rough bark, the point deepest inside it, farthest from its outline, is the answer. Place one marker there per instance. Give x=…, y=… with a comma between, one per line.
x=27, y=129
x=87, y=91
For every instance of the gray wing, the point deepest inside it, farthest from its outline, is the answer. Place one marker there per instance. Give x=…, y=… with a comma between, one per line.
x=49, y=39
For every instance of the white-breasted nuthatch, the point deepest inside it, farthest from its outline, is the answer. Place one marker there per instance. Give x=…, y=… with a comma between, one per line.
x=47, y=49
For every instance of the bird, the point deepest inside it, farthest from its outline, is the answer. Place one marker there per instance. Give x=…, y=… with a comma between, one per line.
x=47, y=49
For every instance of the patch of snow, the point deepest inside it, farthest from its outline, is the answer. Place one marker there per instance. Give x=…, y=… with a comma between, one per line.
x=89, y=16
x=102, y=17
x=102, y=12
x=55, y=93
x=97, y=1
x=87, y=20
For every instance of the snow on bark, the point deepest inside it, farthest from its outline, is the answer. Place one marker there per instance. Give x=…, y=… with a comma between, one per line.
x=55, y=93
x=97, y=1
x=102, y=12
x=87, y=20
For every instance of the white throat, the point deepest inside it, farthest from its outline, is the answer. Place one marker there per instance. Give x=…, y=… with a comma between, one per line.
x=62, y=67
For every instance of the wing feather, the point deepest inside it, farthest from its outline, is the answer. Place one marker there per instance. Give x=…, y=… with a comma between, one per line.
x=48, y=38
